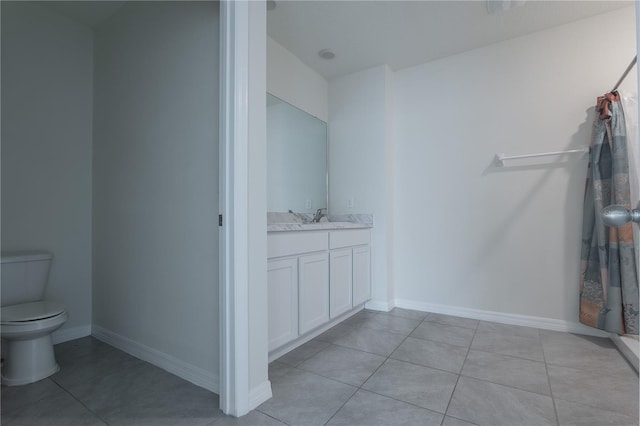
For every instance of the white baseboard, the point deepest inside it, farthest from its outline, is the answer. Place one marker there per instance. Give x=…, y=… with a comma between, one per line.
x=380, y=305
x=524, y=320
x=629, y=348
x=191, y=373
x=71, y=333
x=259, y=394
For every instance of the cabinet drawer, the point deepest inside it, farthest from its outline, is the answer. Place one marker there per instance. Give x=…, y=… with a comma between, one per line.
x=355, y=237
x=292, y=243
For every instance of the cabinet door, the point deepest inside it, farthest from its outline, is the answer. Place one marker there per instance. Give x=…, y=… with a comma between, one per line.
x=314, y=291
x=282, y=281
x=361, y=274
x=340, y=278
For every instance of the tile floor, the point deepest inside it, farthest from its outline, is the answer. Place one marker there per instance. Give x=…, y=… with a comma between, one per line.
x=399, y=368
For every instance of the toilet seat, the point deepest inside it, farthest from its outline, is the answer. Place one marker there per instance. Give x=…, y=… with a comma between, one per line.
x=23, y=330
x=26, y=332
x=28, y=312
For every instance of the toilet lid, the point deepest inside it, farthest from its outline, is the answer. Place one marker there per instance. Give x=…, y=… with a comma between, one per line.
x=30, y=311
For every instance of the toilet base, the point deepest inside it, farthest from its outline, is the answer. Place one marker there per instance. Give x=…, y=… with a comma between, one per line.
x=27, y=361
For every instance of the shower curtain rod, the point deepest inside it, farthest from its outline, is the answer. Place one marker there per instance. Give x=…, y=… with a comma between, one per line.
x=500, y=158
x=624, y=74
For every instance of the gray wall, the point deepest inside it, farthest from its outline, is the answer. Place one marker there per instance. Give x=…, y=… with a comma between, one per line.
x=155, y=189
x=360, y=110
x=470, y=237
x=46, y=150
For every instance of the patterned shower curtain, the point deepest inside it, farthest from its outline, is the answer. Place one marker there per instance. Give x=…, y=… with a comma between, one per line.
x=608, y=279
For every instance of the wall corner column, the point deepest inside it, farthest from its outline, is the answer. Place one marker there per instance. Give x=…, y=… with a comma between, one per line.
x=244, y=381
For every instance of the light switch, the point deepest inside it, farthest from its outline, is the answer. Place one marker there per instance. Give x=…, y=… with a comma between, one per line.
x=307, y=204
x=350, y=203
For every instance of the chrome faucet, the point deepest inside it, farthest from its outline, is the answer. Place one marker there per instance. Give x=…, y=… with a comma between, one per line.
x=319, y=215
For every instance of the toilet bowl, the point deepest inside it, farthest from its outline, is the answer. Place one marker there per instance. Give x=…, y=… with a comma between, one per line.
x=27, y=321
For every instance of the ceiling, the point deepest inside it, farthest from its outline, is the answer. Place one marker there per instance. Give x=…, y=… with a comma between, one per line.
x=398, y=33
x=401, y=34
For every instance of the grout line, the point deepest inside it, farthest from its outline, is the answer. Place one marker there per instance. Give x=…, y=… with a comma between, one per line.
x=507, y=386
x=460, y=374
x=387, y=359
x=453, y=325
x=546, y=369
x=305, y=359
x=367, y=352
x=374, y=372
x=329, y=378
x=425, y=366
x=363, y=321
x=270, y=416
x=462, y=420
x=340, y=408
x=602, y=408
x=633, y=368
x=449, y=325
x=388, y=314
x=451, y=397
x=441, y=342
x=81, y=403
x=590, y=370
x=364, y=327
x=444, y=325
x=510, y=356
x=390, y=356
x=567, y=399
x=404, y=402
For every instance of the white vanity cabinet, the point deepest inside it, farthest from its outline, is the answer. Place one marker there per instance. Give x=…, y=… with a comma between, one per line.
x=342, y=244
x=361, y=274
x=340, y=280
x=313, y=290
x=282, y=276
x=314, y=277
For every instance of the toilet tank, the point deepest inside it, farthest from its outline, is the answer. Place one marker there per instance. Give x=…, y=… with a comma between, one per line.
x=23, y=276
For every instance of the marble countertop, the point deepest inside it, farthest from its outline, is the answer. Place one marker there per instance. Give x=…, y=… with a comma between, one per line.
x=282, y=222
x=281, y=227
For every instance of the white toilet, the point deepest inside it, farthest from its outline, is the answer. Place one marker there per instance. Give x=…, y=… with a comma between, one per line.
x=27, y=320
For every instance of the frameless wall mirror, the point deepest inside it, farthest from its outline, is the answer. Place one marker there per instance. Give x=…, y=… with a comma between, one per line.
x=296, y=159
